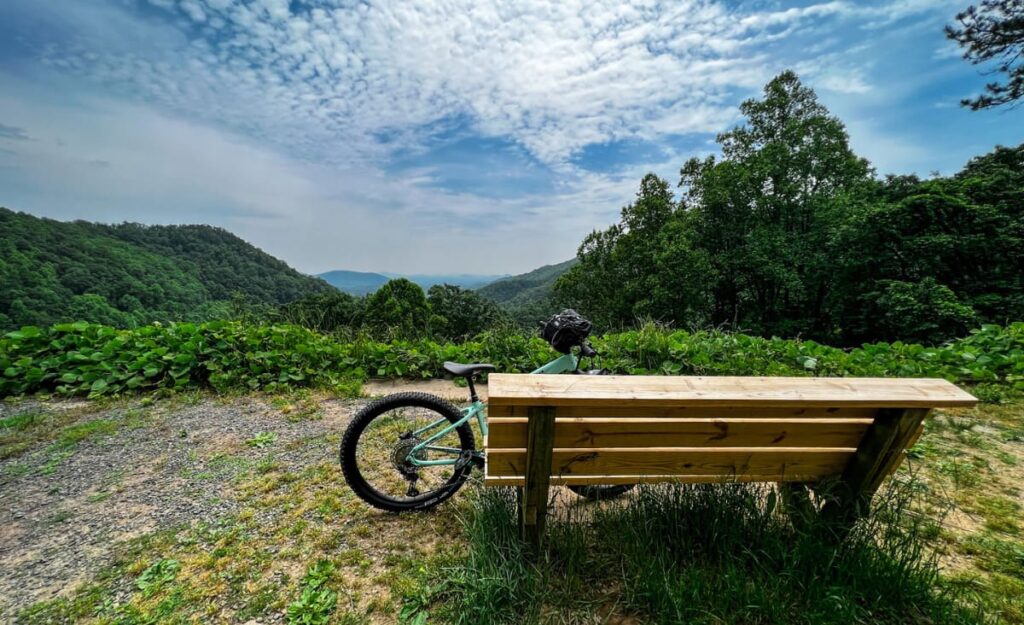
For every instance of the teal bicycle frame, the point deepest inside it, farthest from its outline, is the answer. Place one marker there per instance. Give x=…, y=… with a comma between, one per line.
x=477, y=409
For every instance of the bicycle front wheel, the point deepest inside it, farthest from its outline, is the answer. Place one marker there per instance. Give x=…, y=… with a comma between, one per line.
x=386, y=465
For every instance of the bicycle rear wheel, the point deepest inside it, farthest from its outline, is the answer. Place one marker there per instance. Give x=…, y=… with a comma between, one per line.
x=601, y=493
x=377, y=444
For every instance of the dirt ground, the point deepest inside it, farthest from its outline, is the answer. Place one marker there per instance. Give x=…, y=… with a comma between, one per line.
x=81, y=480
x=68, y=506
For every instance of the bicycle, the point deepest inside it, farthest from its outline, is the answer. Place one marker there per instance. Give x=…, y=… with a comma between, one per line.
x=398, y=443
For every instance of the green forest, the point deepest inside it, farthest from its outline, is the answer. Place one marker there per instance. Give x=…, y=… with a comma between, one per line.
x=130, y=274
x=790, y=233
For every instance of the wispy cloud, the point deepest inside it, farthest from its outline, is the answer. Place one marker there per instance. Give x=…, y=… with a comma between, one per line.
x=554, y=77
x=12, y=132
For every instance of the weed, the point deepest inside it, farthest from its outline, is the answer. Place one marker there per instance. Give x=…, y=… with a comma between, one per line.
x=996, y=554
x=1001, y=514
x=1006, y=458
x=262, y=440
x=59, y=517
x=230, y=356
x=156, y=576
x=991, y=393
x=316, y=603
x=16, y=469
x=964, y=473
x=21, y=421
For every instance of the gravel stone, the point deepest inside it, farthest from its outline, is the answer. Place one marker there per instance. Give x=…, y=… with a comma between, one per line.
x=165, y=466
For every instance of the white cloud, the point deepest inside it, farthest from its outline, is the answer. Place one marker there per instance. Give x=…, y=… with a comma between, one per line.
x=113, y=162
x=554, y=77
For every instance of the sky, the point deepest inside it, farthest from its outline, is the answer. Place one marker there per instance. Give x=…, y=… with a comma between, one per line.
x=442, y=135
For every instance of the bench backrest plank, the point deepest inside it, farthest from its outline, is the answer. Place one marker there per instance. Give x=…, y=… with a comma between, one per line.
x=510, y=433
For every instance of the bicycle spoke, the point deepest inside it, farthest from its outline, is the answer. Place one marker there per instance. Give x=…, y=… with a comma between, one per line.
x=387, y=442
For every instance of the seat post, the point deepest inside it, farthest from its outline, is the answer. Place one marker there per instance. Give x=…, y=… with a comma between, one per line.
x=472, y=389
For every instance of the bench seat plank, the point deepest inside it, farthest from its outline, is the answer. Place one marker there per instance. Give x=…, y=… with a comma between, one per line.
x=676, y=391
x=510, y=432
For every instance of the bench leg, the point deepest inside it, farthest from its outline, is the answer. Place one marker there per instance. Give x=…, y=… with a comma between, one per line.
x=879, y=452
x=533, y=499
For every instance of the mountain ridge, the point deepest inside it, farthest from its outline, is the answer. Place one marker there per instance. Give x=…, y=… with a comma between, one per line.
x=365, y=282
x=528, y=297
x=130, y=274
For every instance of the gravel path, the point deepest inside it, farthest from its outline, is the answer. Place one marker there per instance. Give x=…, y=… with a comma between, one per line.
x=65, y=511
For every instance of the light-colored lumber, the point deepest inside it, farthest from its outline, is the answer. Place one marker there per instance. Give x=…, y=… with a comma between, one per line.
x=772, y=465
x=645, y=391
x=879, y=452
x=536, y=469
x=910, y=445
x=910, y=423
x=510, y=432
x=586, y=480
x=632, y=411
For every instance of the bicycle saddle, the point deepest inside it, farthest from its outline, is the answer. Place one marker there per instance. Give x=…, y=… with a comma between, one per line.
x=467, y=370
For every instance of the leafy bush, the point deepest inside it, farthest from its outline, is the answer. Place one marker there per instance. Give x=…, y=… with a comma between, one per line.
x=95, y=360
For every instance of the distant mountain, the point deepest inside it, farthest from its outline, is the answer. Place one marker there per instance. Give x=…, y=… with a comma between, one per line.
x=361, y=283
x=465, y=280
x=54, y=271
x=527, y=296
x=354, y=282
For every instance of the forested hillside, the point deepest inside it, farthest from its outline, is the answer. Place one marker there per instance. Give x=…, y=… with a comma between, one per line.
x=790, y=233
x=129, y=274
x=527, y=297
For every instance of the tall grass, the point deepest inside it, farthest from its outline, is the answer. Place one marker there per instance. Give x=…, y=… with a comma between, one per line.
x=698, y=554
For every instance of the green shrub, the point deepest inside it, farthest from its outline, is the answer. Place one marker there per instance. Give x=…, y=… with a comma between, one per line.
x=95, y=360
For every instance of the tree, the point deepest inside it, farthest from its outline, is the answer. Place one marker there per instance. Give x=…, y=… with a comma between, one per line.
x=644, y=266
x=993, y=31
x=458, y=313
x=149, y=273
x=400, y=308
x=324, y=312
x=925, y=311
x=924, y=260
x=763, y=213
x=747, y=244
x=96, y=309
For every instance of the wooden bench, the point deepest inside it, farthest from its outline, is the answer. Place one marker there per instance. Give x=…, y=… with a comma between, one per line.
x=579, y=429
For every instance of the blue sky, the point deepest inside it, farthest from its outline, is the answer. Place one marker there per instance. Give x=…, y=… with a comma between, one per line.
x=455, y=136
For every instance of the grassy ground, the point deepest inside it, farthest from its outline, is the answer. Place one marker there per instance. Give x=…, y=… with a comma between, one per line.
x=296, y=546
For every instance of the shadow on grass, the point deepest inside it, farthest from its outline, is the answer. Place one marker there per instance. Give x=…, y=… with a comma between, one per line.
x=697, y=554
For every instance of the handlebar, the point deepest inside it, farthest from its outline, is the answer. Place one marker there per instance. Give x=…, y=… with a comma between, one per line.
x=587, y=351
